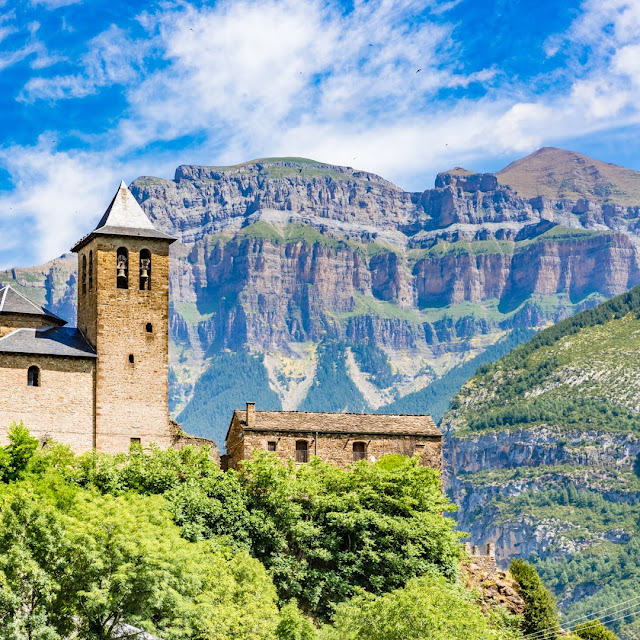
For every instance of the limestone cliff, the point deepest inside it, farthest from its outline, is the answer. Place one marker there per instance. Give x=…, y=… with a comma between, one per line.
x=280, y=255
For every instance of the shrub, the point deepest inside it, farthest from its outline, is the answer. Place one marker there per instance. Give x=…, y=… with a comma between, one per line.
x=594, y=630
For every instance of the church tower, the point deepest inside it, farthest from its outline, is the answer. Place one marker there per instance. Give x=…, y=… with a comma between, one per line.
x=123, y=312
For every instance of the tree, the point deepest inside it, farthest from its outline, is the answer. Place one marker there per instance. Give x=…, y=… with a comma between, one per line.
x=428, y=608
x=594, y=630
x=77, y=564
x=293, y=624
x=15, y=457
x=540, y=612
x=324, y=532
x=31, y=564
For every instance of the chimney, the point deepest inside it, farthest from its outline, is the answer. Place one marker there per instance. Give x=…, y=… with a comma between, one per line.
x=251, y=414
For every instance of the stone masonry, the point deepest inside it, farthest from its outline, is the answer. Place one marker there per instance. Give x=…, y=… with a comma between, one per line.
x=131, y=397
x=338, y=438
x=61, y=408
x=105, y=384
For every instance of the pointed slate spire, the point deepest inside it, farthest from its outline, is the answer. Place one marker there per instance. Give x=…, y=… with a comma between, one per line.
x=124, y=217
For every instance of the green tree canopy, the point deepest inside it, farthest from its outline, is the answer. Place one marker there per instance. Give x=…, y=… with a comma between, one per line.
x=427, y=608
x=540, y=612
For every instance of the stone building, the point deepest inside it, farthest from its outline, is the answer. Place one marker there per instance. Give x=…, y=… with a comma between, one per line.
x=339, y=438
x=105, y=384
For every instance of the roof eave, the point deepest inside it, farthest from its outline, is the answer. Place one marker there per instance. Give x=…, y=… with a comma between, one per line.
x=84, y=356
x=345, y=432
x=105, y=233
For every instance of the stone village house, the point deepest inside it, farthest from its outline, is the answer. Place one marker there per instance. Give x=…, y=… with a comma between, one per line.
x=339, y=438
x=104, y=384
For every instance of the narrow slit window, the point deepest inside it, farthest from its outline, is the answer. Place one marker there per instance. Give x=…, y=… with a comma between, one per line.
x=149, y=327
x=302, y=451
x=122, y=268
x=33, y=377
x=145, y=270
x=131, y=358
x=359, y=451
x=84, y=274
x=90, y=270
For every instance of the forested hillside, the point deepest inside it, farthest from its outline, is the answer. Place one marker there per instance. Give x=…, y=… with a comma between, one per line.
x=543, y=457
x=99, y=546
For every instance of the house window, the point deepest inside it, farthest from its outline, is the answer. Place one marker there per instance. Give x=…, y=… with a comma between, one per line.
x=122, y=266
x=145, y=270
x=90, y=270
x=33, y=377
x=84, y=274
x=149, y=327
x=302, y=451
x=359, y=451
x=271, y=445
x=136, y=441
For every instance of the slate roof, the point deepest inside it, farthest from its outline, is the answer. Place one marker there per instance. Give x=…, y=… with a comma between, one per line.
x=13, y=302
x=124, y=217
x=341, y=423
x=54, y=341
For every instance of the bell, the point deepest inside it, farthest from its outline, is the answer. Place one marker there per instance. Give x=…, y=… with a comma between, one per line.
x=121, y=273
x=144, y=274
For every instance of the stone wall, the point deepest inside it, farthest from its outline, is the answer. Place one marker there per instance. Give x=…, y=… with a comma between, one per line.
x=334, y=448
x=483, y=556
x=61, y=408
x=131, y=397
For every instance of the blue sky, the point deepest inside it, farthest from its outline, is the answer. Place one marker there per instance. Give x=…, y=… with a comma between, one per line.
x=93, y=91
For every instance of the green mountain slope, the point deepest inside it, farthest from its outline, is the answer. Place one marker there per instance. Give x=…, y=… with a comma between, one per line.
x=543, y=457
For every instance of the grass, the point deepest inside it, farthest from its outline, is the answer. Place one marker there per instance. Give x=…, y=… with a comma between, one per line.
x=367, y=305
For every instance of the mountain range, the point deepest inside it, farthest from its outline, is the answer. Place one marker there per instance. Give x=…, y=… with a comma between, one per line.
x=304, y=285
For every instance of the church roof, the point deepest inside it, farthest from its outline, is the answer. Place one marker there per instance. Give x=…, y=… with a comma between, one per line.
x=341, y=423
x=13, y=302
x=124, y=217
x=53, y=341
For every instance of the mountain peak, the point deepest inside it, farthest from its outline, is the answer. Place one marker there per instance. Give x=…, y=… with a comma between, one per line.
x=559, y=174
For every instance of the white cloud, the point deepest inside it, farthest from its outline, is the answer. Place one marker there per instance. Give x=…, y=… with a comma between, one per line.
x=302, y=77
x=58, y=194
x=112, y=59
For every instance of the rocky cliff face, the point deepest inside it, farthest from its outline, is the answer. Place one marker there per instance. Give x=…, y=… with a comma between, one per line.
x=542, y=455
x=278, y=255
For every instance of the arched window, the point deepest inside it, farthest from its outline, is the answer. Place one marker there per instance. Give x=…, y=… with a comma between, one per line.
x=123, y=268
x=84, y=274
x=149, y=327
x=302, y=451
x=33, y=377
x=359, y=451
x=90, y=270
x=145, y=270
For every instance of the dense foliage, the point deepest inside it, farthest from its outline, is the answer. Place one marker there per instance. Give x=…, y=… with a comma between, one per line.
x=428, y=608
x=322, y=532
x=594, y=630
x=540, y=613
x=164, y=541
